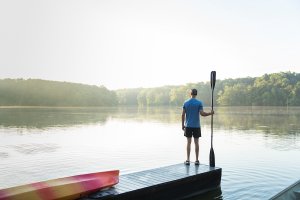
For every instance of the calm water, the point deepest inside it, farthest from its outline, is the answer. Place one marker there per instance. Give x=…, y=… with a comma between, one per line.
x=258, y=148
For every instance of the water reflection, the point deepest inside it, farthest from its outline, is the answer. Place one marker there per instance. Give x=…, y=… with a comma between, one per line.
x=215, y=194
x=33, y=117
x=34, y=148
x=255, y=146
x=3, y=155
x=157, y=114
x=269, y=120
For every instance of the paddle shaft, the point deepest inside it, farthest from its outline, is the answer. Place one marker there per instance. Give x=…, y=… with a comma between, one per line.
x=212, y=118
x=211, y=153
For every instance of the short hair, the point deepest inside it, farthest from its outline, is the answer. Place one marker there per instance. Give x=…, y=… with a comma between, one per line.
x=193, y=91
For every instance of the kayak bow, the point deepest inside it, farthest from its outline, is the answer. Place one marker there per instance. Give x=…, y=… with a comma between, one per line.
x=63, y=188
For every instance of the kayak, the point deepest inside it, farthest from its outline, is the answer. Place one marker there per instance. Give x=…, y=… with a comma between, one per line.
x=290, y=193
x=63, y=188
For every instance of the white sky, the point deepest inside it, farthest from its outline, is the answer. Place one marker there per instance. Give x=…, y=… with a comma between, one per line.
x=147, y=43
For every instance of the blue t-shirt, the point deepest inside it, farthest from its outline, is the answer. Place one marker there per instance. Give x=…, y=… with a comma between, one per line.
x=192, y=108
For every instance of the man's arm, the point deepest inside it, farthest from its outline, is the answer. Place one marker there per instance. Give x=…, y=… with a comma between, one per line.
x=183, y=118
x=204, y=114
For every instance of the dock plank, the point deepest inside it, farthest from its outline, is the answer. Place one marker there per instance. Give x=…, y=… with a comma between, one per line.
x=171, y=182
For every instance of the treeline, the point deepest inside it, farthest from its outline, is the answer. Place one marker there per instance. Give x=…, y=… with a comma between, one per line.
x=35, y=92
x=278, y=89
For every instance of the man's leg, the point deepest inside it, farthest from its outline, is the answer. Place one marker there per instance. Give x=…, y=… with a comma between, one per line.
x=188, y=148
x=196, y=140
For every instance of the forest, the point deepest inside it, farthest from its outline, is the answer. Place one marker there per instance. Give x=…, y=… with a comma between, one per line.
x=276, y=89
x=35, y=92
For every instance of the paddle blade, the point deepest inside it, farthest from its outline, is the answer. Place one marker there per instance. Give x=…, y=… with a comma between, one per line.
x=213, y=79
x=211, y=157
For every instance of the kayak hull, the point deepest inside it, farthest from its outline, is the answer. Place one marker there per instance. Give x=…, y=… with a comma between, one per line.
x=63, y=188
x=290, y=193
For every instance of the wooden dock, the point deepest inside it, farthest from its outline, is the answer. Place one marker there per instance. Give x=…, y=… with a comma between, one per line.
x=172, y=182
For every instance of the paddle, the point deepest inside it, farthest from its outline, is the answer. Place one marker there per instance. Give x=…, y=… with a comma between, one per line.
x=212, y=84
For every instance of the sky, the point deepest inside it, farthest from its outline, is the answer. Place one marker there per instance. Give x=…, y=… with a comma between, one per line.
x=147, y=43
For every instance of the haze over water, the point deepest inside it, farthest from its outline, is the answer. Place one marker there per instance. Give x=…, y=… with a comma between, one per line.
x=257, y=147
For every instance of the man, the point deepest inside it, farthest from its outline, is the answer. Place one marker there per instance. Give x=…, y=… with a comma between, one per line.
x=190, y=118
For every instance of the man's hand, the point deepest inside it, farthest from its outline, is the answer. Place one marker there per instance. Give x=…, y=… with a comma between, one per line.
x=205, y=114
x=183, y=127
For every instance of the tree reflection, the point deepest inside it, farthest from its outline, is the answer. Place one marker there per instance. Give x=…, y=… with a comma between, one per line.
x=34, y=117
x=269, y=120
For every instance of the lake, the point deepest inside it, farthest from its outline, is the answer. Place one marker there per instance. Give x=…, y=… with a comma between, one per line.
x=258, y=148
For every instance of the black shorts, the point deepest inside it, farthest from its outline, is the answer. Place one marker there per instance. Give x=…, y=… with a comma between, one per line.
x=195, y=132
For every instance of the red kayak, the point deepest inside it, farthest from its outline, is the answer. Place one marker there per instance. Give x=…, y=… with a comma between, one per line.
x=63, y=188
